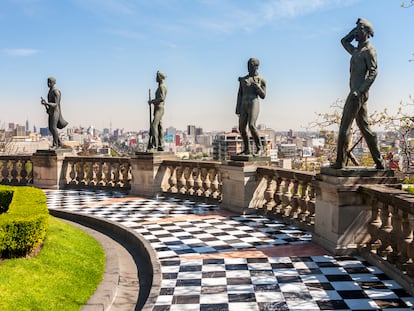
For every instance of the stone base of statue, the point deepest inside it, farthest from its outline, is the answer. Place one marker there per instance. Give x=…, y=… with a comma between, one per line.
x=148, y=172
x=240, y=183
x=342, y=215
x=45, y=169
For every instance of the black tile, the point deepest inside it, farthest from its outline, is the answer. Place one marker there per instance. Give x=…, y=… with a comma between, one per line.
x=190, y=268
x=186, y=299
x=352, y=294
x=236, y=267
x=214, y=307
x=213, y=261
x=245, y=297
x=277, y=305
x=332, y=305
x=161, y=308
x=357, y=270
x=372, y=284
x=214, y=274
x=338, y=277
x=169, y=276
x=167, y=291
x=297, y=296
x=390, y=303
x=324, y=286
x=289, y=279
x=188, y=282
x=266, y=287
x=257, y=260
x=282, y=265
x=238, y=281
x=217, y=289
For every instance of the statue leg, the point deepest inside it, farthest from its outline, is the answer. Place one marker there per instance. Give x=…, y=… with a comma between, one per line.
x=369, y=135
x=160, y=136
x=350, y=110
x=243, y=132
x=154, y=129
x=252, y=125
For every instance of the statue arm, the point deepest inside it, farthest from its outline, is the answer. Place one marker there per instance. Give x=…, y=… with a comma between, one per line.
x=346, y=42
x=239, y=100
x=372, y=71
x=160, y=95
x=261, y=88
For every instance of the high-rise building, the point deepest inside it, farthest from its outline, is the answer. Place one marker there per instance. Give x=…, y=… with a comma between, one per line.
x=191, y=130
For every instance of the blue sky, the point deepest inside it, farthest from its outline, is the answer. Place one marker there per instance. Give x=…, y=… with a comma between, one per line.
x=105, y=53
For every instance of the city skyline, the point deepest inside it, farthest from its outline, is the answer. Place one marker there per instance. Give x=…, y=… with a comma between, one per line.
x=105, y=54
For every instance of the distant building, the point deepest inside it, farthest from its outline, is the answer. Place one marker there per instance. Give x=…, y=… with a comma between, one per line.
x=191, y=130
x=44, y=131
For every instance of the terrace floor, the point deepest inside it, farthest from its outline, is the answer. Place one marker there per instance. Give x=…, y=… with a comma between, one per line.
x=212, y=259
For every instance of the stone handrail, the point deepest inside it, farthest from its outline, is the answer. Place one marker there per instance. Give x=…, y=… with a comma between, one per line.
x=288, y=194
x=16, y=170
x=96, y=173
x=391, y=226
x=200, y=179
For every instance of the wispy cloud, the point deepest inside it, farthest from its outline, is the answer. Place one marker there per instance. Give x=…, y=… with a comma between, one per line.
x=21, y=52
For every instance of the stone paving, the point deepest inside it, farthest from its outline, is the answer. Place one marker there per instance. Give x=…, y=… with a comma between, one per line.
x=215, y=260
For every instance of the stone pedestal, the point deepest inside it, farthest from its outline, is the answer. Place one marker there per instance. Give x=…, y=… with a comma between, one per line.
x=240, y=184
x=45, y=169
x=148, y=173
x=341, y=216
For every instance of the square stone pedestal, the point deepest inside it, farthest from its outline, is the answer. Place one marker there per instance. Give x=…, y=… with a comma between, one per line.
x=341, y=215
x=45, y=169
x=240, y=184
x=148, y=172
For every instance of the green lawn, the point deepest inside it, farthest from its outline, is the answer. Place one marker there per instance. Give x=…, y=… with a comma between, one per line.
x=61, y=277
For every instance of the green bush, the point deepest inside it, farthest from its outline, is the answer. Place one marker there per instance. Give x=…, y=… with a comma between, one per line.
x=23, y=227
x=5, y=199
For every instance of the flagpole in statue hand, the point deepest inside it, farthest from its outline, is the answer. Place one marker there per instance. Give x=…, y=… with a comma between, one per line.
x=150, y=139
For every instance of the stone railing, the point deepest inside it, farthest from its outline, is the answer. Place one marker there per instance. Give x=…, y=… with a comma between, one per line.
x=391, y=226
x=96, y=173
x=197, y=179
x=289, y=195
x=16, y=170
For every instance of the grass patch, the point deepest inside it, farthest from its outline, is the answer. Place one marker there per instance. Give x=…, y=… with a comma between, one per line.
x=62, y=276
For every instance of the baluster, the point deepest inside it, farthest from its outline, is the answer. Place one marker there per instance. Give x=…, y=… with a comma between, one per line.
x=99, y=174
x=286, y=197
x=294, y=202
x=199, y=183
x=410, y=247
x=311, y=204
x=207, y=185
x=108, y=174
x=269, y=193
x=23, y=173
x=215, y=185
x=190, y=182
x=277, y=209
x=72, y=173
x=89, y=177
x=303, y=201
x=116, y=169
x=182, y=183
x=385, y=231
x=404, y=242
x=126, y=174
x=173, y=180
x=395, y=234
x=80, y=173
x=374, y=226
x=14, y=173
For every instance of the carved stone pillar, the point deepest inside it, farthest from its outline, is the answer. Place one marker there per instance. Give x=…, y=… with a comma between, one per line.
x=241, y=185
x=46, y=169
x=342, y=217
x=148, y=175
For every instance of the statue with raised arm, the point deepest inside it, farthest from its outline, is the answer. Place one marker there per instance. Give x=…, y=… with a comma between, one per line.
x=363, y=71
x=251, y=88
x=157, y=132
x=53, y=109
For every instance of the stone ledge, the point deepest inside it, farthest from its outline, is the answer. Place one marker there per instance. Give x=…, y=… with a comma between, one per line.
x=142, y=253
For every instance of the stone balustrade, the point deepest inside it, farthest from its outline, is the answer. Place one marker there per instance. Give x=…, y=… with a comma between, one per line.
x=289, y=195
x=201, y=179
x=391, y=226
x=16, y=170
x=96, y=173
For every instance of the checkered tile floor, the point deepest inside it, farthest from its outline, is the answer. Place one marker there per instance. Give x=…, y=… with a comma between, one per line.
x=211, y=260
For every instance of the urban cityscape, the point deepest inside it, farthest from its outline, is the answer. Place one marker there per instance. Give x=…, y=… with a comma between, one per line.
x=301, y=150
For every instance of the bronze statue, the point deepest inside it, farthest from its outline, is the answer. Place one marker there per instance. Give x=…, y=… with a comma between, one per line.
x=156, y=131
x=252, y=86
x=363, y=71
x=54, y=111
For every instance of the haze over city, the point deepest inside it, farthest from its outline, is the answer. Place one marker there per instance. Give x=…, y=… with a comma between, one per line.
x=105, y=54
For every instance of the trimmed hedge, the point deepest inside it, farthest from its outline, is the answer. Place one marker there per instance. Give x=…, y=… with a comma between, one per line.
x=23, y=227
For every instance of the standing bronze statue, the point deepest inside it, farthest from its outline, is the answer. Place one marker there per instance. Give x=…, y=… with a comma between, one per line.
x=156, y=131
x=252, y=86
x=54, y=111
x=363, y=71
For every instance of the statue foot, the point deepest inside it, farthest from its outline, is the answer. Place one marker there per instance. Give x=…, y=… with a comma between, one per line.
x=336, y=166
x=379, y=166
x=244, y=152
x=160, y=149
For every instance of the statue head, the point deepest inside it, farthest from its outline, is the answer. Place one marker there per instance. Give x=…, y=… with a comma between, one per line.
x=253, y=65
x=51, y=81
x=365, y=27
x=160, y=76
